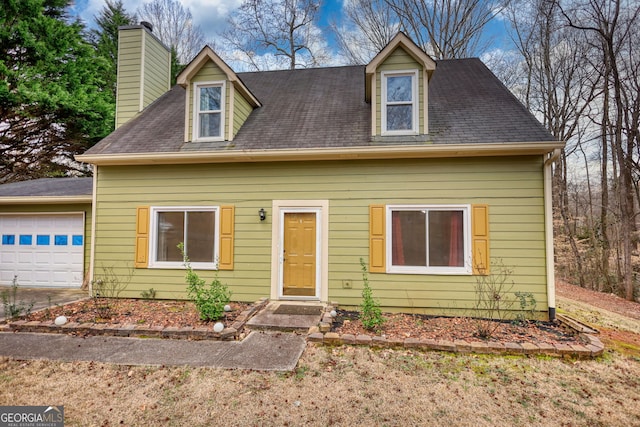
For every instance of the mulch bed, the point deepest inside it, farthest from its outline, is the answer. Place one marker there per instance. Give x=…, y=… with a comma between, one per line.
x=163, y=313
x=168, y=313
x=419, y=326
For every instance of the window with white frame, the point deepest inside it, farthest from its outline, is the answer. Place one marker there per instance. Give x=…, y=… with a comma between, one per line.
x=400, y=103
x=428, y=239
x=208, y=120
x=196, y=227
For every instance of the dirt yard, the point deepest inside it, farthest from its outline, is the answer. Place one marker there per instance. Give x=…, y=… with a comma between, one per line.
x=357, y=386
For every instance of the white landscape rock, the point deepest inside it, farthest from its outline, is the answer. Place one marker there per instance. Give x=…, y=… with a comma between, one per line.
x=60, y=320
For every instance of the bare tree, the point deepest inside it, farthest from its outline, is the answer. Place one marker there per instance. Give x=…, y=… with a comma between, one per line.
x=446, y=28
x=173, y=25
x=558, y=85
x=266, y=34
x=611, y=28
x=368, y=25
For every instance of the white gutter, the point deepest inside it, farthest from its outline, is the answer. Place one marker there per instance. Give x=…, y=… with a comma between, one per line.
x=35, y=200
x=548, y=228
x=361, y=153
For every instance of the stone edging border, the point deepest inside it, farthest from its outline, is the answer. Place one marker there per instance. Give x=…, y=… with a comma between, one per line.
x=231, y=333
x=321, y=334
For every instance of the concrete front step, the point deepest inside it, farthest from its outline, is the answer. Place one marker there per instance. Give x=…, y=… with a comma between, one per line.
x=269, y=319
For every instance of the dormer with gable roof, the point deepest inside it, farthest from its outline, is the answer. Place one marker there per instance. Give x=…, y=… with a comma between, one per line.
x=397, y=86
x=217, y=102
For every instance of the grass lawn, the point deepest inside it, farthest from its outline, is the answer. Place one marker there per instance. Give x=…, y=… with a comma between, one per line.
x=343, y=386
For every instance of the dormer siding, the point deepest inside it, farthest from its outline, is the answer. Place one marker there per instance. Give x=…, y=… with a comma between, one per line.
x=241, y=109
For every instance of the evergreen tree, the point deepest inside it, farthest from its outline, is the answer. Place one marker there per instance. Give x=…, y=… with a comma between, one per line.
x=54, y=102
x=105, y=37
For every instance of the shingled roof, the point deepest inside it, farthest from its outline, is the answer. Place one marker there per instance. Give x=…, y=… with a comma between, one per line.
x=325, y=107
x=48, y=187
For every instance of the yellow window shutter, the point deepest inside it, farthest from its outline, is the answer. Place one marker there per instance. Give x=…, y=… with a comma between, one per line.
x=480, y=239
x=377, y=234
x=227, y=220
x=142, y=237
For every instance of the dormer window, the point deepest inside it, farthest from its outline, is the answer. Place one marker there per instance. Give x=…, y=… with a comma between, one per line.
x=208, y=120
x=400, y=103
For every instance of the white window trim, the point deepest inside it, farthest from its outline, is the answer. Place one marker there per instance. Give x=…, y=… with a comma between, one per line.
x=414, y=98
x=196, y=110
x=153, y=237
x=466, y=220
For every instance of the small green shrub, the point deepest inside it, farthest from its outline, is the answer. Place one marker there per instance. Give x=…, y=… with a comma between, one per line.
x=148, y=294
x=527, y=302
x=370, y=313
x=209, y=300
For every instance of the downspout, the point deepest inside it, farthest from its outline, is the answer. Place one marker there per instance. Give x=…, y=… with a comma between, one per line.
x=92, y=252
x=548, y=228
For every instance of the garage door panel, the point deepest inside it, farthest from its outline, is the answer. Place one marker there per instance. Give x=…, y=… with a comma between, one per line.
x=43, y=250
x=40, y=276
x=41, y=257
x=8, y=257
x=6, y=277
x=60, y=259
x=25, y=257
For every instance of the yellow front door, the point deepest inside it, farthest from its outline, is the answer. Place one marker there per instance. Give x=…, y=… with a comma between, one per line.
x=299, y=274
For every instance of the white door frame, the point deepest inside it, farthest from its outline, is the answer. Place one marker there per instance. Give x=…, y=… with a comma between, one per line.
x=321, y=209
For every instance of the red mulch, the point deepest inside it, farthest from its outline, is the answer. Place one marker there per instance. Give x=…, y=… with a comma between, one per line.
x=402, y=326
x=136, y=311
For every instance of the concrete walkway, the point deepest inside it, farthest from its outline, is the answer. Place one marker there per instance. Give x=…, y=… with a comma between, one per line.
x=262, y=351
x=275, y=351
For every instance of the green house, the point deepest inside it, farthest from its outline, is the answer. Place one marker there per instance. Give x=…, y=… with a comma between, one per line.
x=280, y=182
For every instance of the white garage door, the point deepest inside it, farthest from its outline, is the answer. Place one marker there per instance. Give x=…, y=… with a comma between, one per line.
x=42, y=250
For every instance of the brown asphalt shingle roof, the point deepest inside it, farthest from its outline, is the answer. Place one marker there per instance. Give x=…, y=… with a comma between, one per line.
x=325, y=107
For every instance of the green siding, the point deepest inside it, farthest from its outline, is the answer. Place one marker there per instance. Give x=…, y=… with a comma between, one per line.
x=129, y=75
x=157, y=73
x=512, y=187
x=139, y=53
x=242, y=109
x=57, y=208
x=399, y=60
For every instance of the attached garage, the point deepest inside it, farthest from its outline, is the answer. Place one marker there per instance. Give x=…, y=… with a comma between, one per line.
x=42, y=249
x=45, y=228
